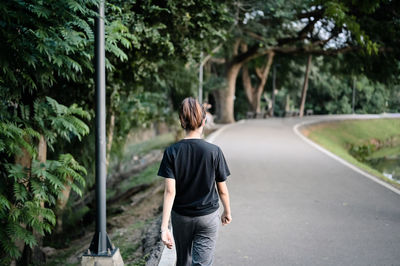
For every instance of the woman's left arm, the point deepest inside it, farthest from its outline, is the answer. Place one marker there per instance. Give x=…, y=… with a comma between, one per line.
x=169, y=196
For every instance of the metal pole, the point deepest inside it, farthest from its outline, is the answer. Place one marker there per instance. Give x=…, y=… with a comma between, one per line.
x=100, y=130
x=201, y=79
x=354, y=95
x=100, y=245
x=273, y=89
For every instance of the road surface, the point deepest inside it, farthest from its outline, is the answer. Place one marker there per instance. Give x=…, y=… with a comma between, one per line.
x=294, y=205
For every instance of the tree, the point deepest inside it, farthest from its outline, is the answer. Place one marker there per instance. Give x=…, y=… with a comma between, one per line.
x=46, y=46
x=254, y=93
x=307, y=27
x=168, y=38
x=305, y=87
x=47, y=52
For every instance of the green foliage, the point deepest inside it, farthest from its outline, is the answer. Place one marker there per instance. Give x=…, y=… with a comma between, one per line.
x=75, y=215
x=28, y=195
x=164, y=44
x=330, y=88
x=50, y=41
x=27, y=207
x=361, y=152
x=56, y=120
x=332, y=92
x=340, y=13
x=164, y=31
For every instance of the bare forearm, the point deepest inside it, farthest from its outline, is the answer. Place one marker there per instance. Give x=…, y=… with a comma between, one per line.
x=224, y=196
x=167, y=207
x=225, y=201
x=226, y=217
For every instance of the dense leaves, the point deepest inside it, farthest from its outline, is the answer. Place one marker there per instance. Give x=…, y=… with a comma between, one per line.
x=46, y=93
x=28, y=193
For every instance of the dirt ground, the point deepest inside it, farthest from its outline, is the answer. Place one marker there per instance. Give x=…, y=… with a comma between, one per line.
x=127, y=230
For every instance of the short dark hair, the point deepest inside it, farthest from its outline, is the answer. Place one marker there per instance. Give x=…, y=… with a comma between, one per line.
x=191, y=114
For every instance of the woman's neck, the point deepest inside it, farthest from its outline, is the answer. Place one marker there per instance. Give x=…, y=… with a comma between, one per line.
x=194, y=134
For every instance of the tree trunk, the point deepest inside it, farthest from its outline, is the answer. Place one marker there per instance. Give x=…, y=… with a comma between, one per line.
x=61, y=203
x=287, y=104
x=305, y=86
x=263, y=75
x=25, y=160
x=36, y=255
x=254, y=93
x=271, y=111
x=110, y=136
x=217, y=103
x=227, y=94
x=249, y=89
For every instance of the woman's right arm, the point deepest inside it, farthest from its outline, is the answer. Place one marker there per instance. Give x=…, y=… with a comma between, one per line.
x=223, y=192
x=169, y=196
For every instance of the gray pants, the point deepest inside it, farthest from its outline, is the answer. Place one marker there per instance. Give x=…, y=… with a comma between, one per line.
x=195, y=238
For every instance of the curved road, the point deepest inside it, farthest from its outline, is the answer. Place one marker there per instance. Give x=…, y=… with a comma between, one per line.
x=294, y=205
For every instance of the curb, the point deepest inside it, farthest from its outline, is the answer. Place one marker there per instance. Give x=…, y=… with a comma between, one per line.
x=337, y=158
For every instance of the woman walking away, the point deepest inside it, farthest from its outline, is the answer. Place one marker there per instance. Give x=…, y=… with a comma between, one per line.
x=194, y=171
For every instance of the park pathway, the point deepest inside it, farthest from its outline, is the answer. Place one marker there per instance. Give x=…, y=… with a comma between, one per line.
x=294, y=205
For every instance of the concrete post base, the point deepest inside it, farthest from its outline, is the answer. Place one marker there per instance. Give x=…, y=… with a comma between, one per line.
x=114, y=260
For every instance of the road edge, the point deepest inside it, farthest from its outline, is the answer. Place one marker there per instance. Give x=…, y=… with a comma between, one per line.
x=211, y=138
x=337, y=158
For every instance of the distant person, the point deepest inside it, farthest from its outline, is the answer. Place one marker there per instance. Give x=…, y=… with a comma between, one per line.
x=194, y=171
x=209, y=116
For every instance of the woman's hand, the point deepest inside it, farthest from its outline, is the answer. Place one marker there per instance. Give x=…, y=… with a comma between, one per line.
x=167, y=239
x=226, y=218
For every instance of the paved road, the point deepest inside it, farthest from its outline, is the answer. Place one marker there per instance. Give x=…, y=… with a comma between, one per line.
x=294, y=205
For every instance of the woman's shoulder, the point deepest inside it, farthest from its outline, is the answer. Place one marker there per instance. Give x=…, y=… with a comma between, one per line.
x=200, y=143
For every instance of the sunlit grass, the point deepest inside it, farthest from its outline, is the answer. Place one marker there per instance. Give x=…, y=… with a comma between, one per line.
x=338, y=135
x=148, y=176
x=142, y=148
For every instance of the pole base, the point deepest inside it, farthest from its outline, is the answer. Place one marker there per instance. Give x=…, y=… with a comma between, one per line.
x=94, y=260
x=96, y=247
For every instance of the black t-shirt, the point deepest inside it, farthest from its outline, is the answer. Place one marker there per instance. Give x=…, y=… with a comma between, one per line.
x=195, y=165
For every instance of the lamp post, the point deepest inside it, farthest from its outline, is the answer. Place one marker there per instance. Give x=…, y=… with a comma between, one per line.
x=273, y=90
x=101, y=250
x=353, y=101
x=200, y=94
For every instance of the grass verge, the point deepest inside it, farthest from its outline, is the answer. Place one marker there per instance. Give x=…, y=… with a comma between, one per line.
x=336, y=136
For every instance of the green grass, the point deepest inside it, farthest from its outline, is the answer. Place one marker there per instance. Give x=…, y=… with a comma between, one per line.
x=139, y=149
x=389, y=151
x=338, y=135
x=158, y=142
x=149, y=175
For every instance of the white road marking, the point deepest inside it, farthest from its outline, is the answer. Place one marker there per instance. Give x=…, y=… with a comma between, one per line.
x=337, y=158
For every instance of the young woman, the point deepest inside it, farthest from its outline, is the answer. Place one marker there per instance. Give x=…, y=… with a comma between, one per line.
x=195, y=172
